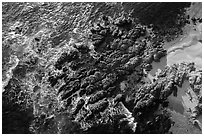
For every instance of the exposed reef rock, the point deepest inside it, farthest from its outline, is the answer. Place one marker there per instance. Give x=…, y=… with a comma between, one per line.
x=80, y=69
x=98, y=90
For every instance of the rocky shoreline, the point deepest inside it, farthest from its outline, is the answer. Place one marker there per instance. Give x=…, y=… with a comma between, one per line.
x=86, y=70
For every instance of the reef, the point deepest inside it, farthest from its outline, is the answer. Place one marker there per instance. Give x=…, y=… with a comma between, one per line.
x=90, y=82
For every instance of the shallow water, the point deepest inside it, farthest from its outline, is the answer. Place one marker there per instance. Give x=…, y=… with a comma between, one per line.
x=158, y=65
x=188, y=48
x=177, y=103
x=182, y=124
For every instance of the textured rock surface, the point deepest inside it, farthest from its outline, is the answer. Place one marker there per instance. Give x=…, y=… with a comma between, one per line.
x=81, y=68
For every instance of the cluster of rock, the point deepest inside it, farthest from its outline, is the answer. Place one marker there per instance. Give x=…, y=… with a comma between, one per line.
x=195, y=80
x=196, y=20
x=81, y=92
x=91, y=80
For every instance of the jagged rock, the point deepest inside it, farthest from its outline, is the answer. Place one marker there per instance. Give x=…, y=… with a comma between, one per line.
x=100, y=106
x=148, y=59
x=53, y=80
x=90, y=89
x=96, y=97
x=66, y=57
x=198, y=80
x=84, y=81
x=82, y=92
x=143, y=103
x=192, y=79
x=147, y=66
x=121, y=22
x=118, y=98
x=132, y=63
x=197, y=88
x=79, y=105
x=68, y=101
x=70, y=89
x=158, y=55
x=110, y=79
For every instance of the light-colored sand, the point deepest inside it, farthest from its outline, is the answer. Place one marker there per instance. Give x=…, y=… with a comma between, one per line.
x=188, y=49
